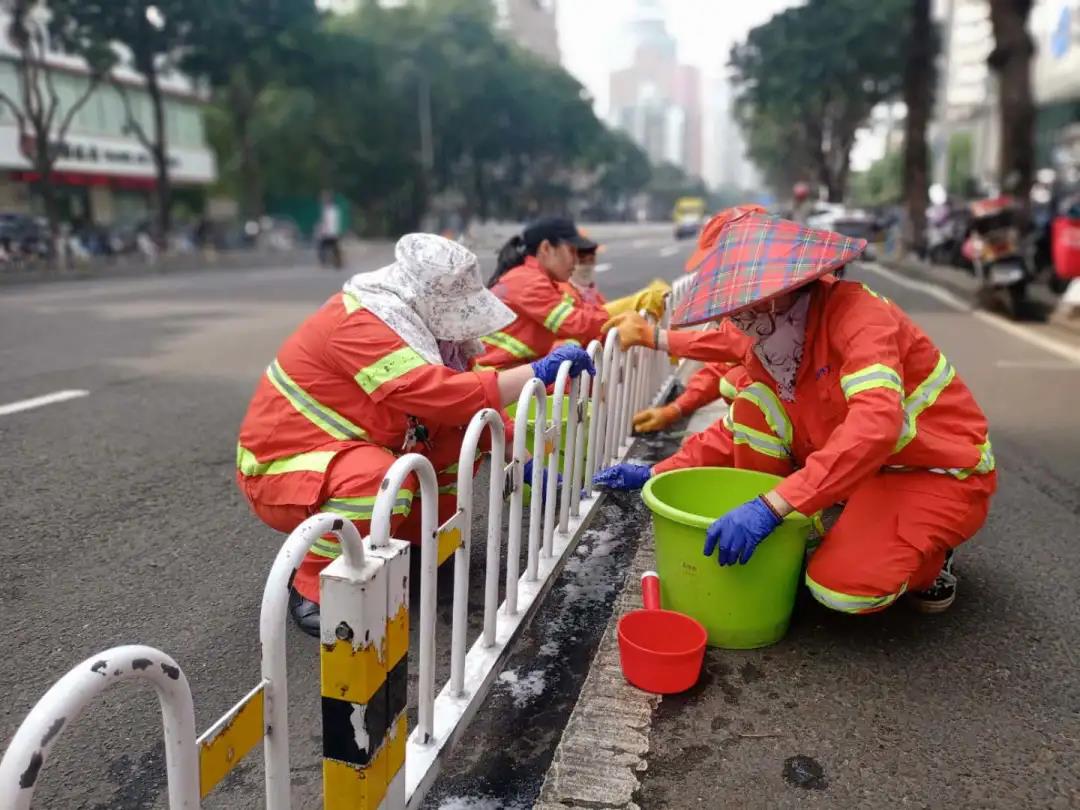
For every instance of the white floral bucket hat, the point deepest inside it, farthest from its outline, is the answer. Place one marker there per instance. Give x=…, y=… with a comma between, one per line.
x=432, y=292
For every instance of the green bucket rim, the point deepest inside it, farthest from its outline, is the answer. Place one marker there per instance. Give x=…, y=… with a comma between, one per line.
x=697, y=521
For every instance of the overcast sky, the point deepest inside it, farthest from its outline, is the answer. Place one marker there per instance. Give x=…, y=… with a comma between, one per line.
x=592, y=40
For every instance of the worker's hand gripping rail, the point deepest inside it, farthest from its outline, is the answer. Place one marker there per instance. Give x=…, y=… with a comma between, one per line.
x=64, y=702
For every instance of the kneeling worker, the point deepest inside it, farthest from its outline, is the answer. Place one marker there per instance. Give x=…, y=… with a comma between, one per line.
x=851, y=402
x=378, y=371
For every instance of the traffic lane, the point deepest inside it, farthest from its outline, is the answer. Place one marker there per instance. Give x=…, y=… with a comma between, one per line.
x=630, y=265
x=978, y=707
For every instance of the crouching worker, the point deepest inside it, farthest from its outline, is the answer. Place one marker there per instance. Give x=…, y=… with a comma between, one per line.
x=850, y=402
x=378, y=371
x=532, y=269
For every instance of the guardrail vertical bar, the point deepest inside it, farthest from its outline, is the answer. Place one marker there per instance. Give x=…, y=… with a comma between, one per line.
x=551, y=457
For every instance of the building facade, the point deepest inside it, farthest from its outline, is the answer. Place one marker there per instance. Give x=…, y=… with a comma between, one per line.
x=532, y=24
x=104, y=175
x=656, y=100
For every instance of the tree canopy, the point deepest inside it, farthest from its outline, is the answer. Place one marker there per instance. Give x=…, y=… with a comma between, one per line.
x=807, y=79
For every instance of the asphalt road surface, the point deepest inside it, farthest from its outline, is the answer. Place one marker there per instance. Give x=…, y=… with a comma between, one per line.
x=119, y=518
x=975, y=708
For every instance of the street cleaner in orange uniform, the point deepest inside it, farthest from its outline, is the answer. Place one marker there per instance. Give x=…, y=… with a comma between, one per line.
x=531, y=268
x=378, y=371
x=851, y=402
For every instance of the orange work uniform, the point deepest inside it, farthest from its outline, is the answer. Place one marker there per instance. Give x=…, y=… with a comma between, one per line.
x=344, y=397
x=881, y=420
x=546, y=315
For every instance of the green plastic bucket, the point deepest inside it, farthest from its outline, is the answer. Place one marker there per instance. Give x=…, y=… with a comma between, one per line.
x=741, y=606
x=530, y=433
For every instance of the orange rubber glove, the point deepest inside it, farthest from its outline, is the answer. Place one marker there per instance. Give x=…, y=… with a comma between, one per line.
x=633, y=330
x=651, y=420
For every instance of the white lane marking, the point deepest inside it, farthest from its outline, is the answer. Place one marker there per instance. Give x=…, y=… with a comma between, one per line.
x=1054, y=365
x=603, y=267
x=670, y=250
x=1061, y=349
x=38, y=402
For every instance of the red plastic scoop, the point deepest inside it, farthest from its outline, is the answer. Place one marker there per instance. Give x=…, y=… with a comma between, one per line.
x=661, y=651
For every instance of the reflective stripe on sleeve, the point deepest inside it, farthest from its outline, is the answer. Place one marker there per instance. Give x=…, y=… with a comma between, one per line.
x=509, y=344
x=557, y=317
x=770, y=406
x=727, y=390
x=315, y=461
x=924, y=395
x=351, y=302
x=323, y=417
x=388, y=368
x=866, y=379
x=760, y=442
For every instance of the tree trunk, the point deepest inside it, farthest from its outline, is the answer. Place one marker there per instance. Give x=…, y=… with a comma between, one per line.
x=1011, y=60
x=160, y=154
x=250, y=173
x=918, y=89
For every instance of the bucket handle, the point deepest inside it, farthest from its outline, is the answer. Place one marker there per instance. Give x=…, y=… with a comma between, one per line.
x=650, y=590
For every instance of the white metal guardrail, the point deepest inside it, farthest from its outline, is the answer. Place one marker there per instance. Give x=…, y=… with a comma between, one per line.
x=369, y=759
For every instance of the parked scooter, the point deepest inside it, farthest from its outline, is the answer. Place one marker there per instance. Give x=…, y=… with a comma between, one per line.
x=994, y=246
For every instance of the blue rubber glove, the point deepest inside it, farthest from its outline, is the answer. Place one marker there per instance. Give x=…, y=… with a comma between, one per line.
x=546, y=368
x=739, y=532
x=623, y=476
x=527, y=473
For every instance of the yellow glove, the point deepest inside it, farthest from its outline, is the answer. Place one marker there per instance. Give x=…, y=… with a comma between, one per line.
x=633, y=330
x=651, y=299
x=651, y=420
x=621, y=305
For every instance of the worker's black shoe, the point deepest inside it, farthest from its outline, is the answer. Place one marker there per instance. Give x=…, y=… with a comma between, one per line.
x=304, y=612
x=941, y=594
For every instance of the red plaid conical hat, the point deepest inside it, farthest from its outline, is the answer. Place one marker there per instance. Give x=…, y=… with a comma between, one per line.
x=755, y=257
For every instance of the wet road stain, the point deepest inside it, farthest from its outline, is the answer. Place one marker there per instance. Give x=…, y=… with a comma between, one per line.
x=805, y=772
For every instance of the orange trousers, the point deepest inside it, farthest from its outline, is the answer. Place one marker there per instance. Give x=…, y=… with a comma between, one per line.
x=892, y=535
x=351, y=484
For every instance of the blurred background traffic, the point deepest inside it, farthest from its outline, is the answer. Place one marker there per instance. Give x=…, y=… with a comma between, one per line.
x=943, y=130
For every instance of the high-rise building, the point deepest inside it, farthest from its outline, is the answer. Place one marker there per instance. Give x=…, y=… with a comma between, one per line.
x=656, y=100
x=532, y=24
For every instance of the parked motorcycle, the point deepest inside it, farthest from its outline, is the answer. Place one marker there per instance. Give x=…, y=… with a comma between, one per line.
x=995, y=248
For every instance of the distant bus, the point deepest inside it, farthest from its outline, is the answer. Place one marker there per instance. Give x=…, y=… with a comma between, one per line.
x=689, y=216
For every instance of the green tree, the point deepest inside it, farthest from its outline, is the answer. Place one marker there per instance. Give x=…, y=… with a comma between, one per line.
x=243, y=48
x=156, y=34
x=41, y=118
x=816, y=71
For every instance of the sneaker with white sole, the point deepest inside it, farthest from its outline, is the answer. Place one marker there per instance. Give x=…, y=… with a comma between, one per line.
x=940, y=595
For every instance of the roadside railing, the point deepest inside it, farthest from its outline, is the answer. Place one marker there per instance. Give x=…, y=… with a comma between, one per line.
x=369, y=758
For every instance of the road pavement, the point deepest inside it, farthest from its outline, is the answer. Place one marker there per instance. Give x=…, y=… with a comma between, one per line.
x=118, y=512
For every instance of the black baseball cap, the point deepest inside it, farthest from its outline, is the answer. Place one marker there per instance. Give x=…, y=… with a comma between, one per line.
x=556, y=229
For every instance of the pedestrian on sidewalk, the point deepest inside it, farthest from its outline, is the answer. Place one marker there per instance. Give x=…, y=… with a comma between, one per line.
x=850, y=402
x=328, y=233
x=531, y=268
x=379, y=370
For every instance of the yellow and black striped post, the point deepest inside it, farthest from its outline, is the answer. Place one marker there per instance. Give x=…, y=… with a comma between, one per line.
x=365, y=640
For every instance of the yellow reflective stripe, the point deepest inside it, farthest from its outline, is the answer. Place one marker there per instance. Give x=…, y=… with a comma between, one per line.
x=351, y=302
x=557, y=317
x=509, y=344
x=330, y=549
x=769, y=404
x=324, y=418
x=362, y=508
x=761, y=442
x=865, y=379
x=729, y=420
x=727, y=390
x=315, y=461
x=987, y=463
x=923, y=397
x=876, y=294
x=390, y=367
x=851, y=603
x=449, y=489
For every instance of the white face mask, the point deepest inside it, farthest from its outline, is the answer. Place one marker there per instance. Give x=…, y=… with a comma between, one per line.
x=583, y=275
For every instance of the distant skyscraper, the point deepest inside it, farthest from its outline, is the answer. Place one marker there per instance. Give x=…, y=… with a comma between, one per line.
x=532, y=24
x=656, y=100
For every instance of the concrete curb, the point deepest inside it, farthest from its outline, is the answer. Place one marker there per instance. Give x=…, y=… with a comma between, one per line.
x=603, y=747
